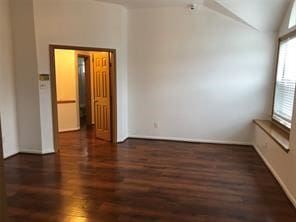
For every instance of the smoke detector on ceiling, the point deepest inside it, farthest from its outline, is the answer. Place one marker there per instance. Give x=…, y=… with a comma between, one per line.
x=192, y=6
x=195, y=5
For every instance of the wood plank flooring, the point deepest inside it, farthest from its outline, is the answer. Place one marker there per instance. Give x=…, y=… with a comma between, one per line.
x=143, y=180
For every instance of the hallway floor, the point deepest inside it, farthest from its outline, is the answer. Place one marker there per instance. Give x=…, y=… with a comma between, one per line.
x=141, y=180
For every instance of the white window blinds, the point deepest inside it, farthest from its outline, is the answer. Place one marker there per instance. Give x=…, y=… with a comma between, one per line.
x=292, y=21
x=285, y=82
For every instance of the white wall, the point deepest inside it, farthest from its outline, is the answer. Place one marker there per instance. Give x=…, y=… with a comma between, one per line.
x=80, y=23
x=200, y=76
x=67, y=89
x=282, y=164
x=7, y=86
x=26, y=76
x=186, y=71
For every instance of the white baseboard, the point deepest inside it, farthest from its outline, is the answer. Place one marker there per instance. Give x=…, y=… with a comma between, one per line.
x=189, y=140
x=28, y=151
x=10, y=154
x=31, y=151
x=48, y=152
x=123, y=140
x=277, y=177
x=69, y=130
x=35, y=151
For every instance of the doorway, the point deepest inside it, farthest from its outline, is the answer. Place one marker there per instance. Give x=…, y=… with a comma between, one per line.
x=83, y=91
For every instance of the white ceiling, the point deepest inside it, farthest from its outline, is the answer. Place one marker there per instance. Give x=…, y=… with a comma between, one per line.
x=151, y=3
x=261, y=15
x=264, y=15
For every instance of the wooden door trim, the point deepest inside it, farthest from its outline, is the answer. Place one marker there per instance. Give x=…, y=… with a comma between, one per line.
x=3, y=215
x=113, y=86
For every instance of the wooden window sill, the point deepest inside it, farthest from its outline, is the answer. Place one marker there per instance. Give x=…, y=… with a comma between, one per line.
x=280, y=136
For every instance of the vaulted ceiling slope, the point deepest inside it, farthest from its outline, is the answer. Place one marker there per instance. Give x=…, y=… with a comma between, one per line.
x=261, y=15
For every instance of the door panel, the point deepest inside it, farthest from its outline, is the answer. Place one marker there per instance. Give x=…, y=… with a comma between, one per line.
x=102, y=96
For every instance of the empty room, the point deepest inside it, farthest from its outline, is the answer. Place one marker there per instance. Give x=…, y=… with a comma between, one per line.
x=147, y=111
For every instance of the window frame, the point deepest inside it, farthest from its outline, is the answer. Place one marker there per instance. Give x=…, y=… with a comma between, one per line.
x=292, y=15
x=291, y=34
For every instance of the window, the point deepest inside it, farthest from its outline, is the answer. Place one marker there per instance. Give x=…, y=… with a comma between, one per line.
x=292, y=21
x=285, y=82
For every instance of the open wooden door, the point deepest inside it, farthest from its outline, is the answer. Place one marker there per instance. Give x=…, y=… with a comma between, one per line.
x=102, y=106
x=3, y=216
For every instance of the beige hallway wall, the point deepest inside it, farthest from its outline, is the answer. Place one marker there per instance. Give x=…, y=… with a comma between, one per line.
x=67, y=90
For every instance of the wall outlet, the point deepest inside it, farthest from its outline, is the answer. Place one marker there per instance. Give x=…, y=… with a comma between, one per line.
x=155, y=125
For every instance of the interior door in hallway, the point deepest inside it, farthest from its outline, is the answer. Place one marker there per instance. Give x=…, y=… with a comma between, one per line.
x=102, y=106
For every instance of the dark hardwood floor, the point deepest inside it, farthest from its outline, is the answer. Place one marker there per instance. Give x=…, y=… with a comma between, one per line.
x=143, y=180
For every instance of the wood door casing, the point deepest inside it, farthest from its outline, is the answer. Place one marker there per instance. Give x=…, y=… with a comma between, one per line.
x=53, y=85
x=102, y=95
x=3, y=216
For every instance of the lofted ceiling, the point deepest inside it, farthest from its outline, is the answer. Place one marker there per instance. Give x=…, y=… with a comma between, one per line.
x=151, y=3
x=261, y=15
